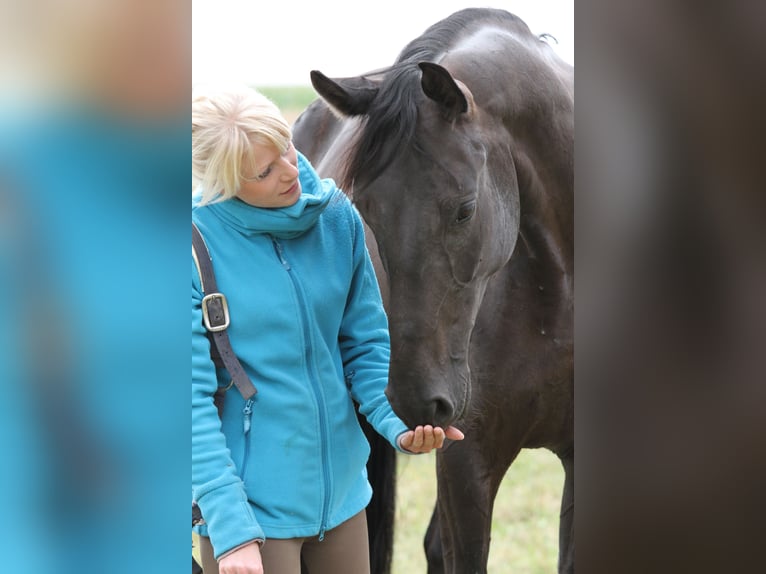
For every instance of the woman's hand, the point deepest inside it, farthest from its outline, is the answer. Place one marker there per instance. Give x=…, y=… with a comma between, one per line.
x=424, y=439
x=244, y=560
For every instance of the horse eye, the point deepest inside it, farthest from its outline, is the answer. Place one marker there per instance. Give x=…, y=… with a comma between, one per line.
x=465, y=212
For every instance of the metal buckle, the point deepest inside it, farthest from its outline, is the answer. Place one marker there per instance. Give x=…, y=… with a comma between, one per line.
x=215, y=312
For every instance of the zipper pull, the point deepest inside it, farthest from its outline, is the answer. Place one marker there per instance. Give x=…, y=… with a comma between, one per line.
x=247, y=412
x=321, y=534
x=280, y=254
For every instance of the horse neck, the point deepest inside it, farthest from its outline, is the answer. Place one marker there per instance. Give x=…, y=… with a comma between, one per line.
x=538, y=116
x=546, y=201
x=542, y=145
x=544, y=256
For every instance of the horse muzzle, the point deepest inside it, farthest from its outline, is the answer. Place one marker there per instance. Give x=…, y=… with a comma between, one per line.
x=419, y=400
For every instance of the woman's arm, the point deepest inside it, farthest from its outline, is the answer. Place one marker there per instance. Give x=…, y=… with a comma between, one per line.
x=216, y=486
x=364, y=341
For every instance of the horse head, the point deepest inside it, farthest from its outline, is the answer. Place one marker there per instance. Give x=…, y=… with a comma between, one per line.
x=432, y=174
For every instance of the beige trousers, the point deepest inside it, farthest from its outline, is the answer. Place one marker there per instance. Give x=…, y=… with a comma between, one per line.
x=344, y=550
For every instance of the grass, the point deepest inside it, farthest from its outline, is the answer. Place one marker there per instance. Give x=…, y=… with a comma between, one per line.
x=524, y=522
x=291, y=100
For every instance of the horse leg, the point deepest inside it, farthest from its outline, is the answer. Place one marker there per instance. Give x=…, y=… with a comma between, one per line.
x=433, y=545
x=467, y=486
x=566, y=524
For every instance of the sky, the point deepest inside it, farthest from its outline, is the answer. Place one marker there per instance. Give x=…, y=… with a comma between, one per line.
x=279, y=43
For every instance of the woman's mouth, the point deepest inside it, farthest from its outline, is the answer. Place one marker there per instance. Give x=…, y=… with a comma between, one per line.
x=293, y=188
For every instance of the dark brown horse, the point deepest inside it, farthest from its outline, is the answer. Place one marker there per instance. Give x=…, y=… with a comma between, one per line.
x=460, y=159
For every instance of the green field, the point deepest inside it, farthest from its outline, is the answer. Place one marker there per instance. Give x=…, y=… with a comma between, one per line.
x=524, y=522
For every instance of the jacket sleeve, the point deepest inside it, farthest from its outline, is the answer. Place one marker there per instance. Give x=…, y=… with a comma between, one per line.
x=364, y=342
x=216, y=486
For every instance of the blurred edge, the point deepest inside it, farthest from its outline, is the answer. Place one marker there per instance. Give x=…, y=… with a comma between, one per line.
x=94, y=157
x=670, y=306
x=671, y=313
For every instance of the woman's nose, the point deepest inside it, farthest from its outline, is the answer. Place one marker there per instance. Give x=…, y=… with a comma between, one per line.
x=290, y=170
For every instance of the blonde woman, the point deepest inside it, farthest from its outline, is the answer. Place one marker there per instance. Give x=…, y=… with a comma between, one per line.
x=284, y=477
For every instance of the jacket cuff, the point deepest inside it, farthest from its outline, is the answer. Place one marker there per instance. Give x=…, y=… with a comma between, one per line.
x=229, y=518
x=225, y=554
x=400, y=448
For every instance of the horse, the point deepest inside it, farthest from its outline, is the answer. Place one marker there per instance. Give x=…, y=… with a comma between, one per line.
x=459, y=157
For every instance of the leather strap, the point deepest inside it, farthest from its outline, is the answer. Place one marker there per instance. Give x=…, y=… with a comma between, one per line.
x=216, y=314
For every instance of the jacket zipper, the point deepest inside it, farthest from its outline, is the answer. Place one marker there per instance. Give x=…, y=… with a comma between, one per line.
x=247, y=413
x=314, y=386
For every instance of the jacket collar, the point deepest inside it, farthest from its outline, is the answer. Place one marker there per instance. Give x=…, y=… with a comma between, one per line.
x=283, y=222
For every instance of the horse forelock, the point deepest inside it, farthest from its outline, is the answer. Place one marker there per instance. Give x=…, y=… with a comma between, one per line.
x=388, y=126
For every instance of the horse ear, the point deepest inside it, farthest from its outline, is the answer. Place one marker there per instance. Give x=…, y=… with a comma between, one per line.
x=348, y=96
x=439, y=85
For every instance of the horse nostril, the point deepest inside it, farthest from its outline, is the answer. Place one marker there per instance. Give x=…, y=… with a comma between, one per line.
x=435, y=411
x=443, y=412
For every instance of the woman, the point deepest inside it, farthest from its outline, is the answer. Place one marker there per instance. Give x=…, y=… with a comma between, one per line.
x=285, y=476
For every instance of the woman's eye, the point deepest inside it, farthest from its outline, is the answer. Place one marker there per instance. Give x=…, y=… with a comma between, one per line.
x=260, y=176
x=465, y=212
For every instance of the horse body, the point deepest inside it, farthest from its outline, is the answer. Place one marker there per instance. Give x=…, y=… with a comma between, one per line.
x=460, y=159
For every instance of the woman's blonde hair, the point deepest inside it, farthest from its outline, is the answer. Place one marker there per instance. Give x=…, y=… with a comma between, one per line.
x=226, y=121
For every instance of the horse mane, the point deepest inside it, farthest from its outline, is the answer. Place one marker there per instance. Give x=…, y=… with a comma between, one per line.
x=391, y=119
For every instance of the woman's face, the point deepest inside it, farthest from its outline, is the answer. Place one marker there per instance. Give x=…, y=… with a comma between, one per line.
x=272, y=180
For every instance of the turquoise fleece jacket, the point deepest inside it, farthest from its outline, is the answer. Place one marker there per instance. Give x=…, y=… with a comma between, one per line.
x=308, y=326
